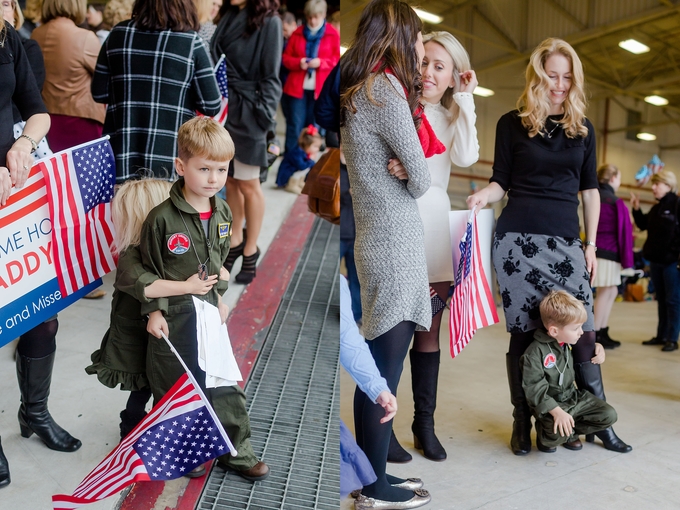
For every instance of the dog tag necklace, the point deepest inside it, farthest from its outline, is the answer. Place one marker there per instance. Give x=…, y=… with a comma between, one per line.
x=566, y=364
x=202, y=267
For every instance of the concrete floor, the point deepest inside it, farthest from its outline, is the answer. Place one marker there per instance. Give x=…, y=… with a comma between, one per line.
x=473, y=422
x=78, y=402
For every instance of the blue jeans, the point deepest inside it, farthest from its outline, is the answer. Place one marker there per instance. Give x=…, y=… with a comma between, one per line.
x=347, y=251
x=666, y=278
x=299, y=114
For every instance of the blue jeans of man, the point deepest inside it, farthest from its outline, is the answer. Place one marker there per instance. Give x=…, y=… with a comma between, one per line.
x=347, y=251
x=300, y=114
x=666, y=278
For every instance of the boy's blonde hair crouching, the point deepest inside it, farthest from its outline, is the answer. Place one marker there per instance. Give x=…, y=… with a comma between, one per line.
x=559, y=308
x=206, y=138
x=131, y=205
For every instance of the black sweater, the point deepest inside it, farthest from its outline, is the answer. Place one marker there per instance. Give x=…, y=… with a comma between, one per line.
x=542, y=176
x=661, y=223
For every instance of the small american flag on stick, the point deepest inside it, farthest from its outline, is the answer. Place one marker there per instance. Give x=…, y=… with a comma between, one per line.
x=221, y=77
x=181, y=433
x=472, y=304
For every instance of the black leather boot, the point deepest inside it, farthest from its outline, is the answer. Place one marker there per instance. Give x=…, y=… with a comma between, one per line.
x=396, y=453
x=589, y=377
x=605, y=334
x=602, y=338
x=35, y=376
x=4, y=469
x=424, y=376
x=521, y=428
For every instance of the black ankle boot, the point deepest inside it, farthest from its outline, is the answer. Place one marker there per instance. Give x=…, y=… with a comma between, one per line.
x=35, y=376
x=605, y=334
x=4, y=469
x=396, y=452
x=521, y=428
x=589, y=377
x=602, y=338
x=248, y=271
x=424, y=376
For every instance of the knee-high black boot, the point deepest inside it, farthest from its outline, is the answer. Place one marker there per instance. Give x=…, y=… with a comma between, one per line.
x=35, y=377
x=589, y=377
x=521, y=428
x=4, y=469
x=424, y=376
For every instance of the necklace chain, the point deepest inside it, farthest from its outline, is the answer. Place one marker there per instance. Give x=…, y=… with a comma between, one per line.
x=202, y=267
x=550, y=133
x=566, y=364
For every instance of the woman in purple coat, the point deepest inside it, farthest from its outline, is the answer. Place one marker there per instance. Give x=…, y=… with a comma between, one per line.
x=614, y=250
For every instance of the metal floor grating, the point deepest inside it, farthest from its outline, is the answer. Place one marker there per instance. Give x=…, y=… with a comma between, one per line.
x=294, y=394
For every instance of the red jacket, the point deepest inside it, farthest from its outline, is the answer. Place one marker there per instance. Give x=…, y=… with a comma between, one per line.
x=329, y=53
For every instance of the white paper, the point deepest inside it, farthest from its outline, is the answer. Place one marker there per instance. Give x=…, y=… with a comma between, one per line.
x=485, y=226
x=215, y=355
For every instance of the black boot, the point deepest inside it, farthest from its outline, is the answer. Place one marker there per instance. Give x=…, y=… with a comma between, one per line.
x=589, y=377
x=396, y=453
x=521, y=428
x=4, y=469
x=35, y=376
x=605, y=334
x=602, y=338
x=424, y=376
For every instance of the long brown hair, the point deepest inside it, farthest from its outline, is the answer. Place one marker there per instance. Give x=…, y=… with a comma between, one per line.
x=385, y=38
x=175, y=15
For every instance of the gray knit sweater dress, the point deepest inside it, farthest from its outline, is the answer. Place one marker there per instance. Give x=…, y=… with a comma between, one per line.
x=389, y=249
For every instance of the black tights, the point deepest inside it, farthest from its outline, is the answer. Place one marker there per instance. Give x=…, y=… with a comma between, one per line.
x=428, y=341
x=582, y=351
x=389, y=351
x=40, y=341
x=136, y=403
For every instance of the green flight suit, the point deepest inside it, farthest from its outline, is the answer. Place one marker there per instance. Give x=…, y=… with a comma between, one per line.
x=173, y=243
x=540, y=379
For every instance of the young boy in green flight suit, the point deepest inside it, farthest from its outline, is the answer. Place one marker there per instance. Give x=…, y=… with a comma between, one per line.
x=189, y=231
x=562, y=411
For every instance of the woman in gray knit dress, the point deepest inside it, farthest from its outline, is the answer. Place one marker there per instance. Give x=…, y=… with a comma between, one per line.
x=379, y=104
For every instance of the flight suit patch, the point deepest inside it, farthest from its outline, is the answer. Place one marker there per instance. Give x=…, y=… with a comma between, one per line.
x=549, y=360
x=179, y=243
x=224, y=229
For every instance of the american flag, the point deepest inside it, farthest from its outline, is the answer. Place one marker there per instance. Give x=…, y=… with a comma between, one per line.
x=473, y=306
x=79, y=191
x=221, y=76
x=179, y=434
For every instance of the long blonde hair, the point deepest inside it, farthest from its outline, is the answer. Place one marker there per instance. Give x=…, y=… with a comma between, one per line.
x=461, y=64
x=534, y=105
x=131, y=205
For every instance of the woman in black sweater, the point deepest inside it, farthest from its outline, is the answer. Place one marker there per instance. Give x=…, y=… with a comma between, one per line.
x=662, y=249
x=545, y=156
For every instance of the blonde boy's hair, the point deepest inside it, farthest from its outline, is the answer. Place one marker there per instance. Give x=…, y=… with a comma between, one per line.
x=131, y=205
x=313, y=7
x=559, y=308
x=204, y=137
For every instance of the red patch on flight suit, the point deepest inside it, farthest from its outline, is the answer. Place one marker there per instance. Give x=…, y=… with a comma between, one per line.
x=178, y=244
x=549, y=360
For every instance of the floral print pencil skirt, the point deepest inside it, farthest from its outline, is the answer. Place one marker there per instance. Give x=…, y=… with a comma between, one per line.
x=528, y=266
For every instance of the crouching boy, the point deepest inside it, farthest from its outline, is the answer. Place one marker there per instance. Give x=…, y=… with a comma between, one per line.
x=562, y=411
x=191, y=232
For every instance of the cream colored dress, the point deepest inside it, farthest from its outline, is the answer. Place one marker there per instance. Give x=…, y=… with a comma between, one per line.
x=462, y=149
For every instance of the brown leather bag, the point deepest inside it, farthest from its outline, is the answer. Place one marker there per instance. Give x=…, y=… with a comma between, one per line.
x=323, y=187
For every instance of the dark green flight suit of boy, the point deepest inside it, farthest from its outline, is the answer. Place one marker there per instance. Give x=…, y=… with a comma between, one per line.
x=541, y=365
x=173, y=251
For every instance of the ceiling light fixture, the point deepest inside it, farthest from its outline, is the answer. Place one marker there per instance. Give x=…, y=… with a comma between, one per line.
x=656, y=100
x=428, y=17
x=647, y=137
x=634, y=46
x=484, y=92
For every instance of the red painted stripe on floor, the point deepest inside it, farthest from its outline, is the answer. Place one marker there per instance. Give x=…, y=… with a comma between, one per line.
x=248, y=324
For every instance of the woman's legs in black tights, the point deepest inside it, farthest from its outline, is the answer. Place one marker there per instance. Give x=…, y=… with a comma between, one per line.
x=428, y=341
x=40, y=341
x=584, y=349
x=389, y=351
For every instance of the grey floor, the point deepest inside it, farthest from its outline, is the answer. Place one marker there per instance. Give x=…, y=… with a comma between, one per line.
x=78, y=402
x=473, y=421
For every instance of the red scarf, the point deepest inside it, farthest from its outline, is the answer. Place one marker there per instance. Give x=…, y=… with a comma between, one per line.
x=428, y=139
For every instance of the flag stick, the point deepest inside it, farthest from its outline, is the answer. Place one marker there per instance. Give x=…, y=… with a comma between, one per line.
x=208, y=406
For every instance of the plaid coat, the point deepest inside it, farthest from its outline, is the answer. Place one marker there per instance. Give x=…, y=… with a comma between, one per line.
x=153, y=82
